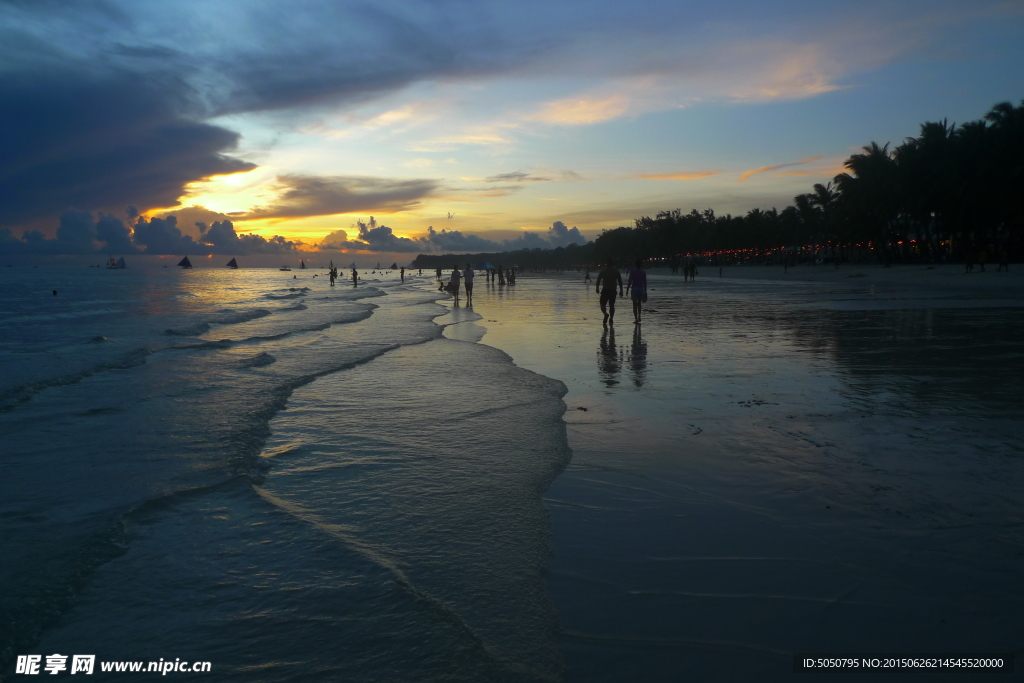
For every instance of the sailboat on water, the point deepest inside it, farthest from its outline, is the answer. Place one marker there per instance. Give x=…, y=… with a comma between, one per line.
x=119, y=263
x=185, y=263
x=232, y=264
x=302, y=264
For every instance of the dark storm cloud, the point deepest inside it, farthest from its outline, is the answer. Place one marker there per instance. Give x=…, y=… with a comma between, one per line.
x=303, y=195
x=103, y=103
x=97, y=135
x=222, y=237
x=558, y=235
x=77, y=233
x=162, y=236
x=373, y=237
x=115, y=234
x=326, y=51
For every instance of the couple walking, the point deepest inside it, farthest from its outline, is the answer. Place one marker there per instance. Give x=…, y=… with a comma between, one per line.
x=609, y=278
x=457, y=277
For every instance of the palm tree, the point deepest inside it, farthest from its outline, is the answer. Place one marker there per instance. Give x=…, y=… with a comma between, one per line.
x=825, y=197
x=870, y=192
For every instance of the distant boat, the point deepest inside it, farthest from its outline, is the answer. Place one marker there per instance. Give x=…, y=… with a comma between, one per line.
x=185, y=263
x=302, y=264
x=232, y=263
x=285, y=268
x=119, y=263
x=394, y=266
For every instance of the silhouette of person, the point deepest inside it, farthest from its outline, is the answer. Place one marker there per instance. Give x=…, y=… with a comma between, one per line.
x=637, y=286
x=468, y=276
x=403, y=273
x=355, y=277
x=586, y=278
x=607, y=280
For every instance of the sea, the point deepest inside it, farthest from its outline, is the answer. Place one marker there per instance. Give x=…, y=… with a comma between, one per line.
x=159, y=503
x=295, y=481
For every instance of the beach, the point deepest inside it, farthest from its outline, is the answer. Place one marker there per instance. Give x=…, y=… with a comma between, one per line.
x=299, y=482
x=780, y=463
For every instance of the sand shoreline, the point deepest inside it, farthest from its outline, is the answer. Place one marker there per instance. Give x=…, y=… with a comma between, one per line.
x=733, y=498
x=948, y=276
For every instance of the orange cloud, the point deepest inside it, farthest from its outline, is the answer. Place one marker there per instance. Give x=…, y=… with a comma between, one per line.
x=682, y=175
x=791, y=174
x=776, y=167
x=581, y=111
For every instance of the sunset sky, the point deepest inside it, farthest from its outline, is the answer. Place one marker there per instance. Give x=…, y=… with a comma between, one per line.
x=484, y=121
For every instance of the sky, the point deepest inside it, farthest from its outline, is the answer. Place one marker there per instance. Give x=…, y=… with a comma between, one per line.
x=399, y=127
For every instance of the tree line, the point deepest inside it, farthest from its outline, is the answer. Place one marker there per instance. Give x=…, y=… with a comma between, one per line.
x=951, y=193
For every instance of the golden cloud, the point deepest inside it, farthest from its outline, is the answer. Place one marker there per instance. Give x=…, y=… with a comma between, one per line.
x=776, y=167
x=573, y=111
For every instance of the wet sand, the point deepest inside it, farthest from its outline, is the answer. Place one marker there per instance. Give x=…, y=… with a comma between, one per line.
x=779, y=463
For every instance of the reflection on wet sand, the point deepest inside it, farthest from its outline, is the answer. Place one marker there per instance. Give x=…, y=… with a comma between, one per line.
x=638, y=358
x=799, y=467
x=609, y=358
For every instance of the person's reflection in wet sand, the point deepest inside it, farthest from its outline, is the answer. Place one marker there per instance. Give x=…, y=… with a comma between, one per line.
x=609, y=362
x=638, y=358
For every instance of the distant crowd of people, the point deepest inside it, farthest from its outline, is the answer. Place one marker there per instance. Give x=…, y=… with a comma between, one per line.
x=464, y=278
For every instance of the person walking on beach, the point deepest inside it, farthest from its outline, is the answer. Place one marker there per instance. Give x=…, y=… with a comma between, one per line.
x=586, y=278
x=607, y=280
x=439, y=274
x=637, y=286
x=456, y=282
x=468, y=276
x=403, y=273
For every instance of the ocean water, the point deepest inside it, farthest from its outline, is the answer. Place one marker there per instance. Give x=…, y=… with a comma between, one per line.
x=289, y=480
